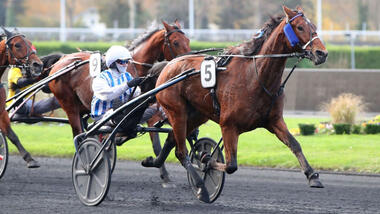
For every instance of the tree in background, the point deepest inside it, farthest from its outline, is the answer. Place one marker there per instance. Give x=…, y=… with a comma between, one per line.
x=142, y=15
x=170, y=11
x=114, y=12
x=235, y=14
x=3, y=11
x=15, y=12
x=362, y=13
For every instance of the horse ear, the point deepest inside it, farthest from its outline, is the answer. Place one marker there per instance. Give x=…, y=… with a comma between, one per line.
x=167, y=26
x=288, y=12
x=176, y=22
x=299, y=9
x=7, y=33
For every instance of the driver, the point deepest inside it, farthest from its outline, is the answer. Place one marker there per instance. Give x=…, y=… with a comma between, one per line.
x=115, y=86
x=19, y=81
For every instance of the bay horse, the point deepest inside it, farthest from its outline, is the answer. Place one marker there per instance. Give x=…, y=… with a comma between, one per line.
x=16, y=50
x=249, y=93
x=73, y=90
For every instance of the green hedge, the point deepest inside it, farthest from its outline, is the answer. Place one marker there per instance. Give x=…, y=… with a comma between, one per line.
x=306, y=129
x=339, y=56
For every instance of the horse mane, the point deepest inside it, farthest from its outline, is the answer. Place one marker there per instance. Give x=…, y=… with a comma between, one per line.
x=152, y=76
x=254, y=45
x=142, y=38
x=50, y=59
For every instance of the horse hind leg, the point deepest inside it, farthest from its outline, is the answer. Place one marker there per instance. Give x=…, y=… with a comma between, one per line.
x=284, y=135
x=7, y=130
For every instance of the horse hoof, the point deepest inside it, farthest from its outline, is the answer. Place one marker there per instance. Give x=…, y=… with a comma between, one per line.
x=148, y=162
x=168, y=185
x=231, y=168
x=203, y=195
x=314, y=181
x=32, y=164
x=165, y=178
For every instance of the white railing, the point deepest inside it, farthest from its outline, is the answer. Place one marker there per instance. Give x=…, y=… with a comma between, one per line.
x=117, y=34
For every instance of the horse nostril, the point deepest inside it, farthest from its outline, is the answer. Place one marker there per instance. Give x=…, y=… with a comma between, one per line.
x=36, y=65
x=321, y=53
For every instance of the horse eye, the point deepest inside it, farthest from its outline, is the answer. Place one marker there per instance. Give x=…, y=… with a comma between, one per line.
x=300, y=28
x=17, y=45
x=175, y=43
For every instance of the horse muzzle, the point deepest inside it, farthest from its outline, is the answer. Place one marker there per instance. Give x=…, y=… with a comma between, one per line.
x=36, y=68
x=319, y=56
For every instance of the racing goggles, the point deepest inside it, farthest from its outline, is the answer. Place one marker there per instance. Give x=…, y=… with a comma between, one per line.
x=122, y=61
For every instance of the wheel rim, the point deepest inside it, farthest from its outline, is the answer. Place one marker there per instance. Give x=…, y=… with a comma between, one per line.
x=213, y=179
x=91, y=185
x=3, y=154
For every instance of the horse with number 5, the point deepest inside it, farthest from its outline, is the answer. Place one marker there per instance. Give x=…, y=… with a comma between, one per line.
x=73, y=90
x=249, y=92
x=15, y=50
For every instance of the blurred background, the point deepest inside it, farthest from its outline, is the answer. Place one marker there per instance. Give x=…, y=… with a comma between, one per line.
x=349, y=28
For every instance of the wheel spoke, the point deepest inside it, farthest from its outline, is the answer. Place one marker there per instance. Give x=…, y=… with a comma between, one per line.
x=212, y=179
x=80, y=172
x=97, y=162
x=87, y=155
x=97, y=180
x=88, y=186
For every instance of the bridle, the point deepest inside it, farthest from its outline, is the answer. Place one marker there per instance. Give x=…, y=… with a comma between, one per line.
x=166, y=44
x=167, y=41
x=23, y=60
x=292, y=37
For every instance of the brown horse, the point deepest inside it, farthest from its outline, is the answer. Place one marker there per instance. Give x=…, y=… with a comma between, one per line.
x=249, y=92
x=16, y=50
x=73, y=90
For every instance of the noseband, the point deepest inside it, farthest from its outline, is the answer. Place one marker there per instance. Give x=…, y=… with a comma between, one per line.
x=167, y=41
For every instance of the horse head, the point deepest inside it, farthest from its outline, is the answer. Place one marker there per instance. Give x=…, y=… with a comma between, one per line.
x=22, y=52
x=176, y=42
x=302, y=36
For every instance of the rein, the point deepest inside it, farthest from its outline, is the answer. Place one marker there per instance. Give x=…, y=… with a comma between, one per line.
x=142, y=63
x=280, y=90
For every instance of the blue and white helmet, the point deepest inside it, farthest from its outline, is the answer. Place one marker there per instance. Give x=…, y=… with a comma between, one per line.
x=116, y=52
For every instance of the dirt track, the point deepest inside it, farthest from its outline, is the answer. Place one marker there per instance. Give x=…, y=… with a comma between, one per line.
x=135, y=189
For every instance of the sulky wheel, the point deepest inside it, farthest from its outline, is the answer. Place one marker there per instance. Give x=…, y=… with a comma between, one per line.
x=110, y=149
x=91, y=183
x=3, y=154
x=213, y=179
x=111, y=152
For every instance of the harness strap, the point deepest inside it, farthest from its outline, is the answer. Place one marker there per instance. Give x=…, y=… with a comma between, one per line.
x=142, y=63
x=215, y=102
x=280, y=90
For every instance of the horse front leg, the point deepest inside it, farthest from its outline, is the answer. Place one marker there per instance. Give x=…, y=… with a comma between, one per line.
x=283, y=134
x=5, y=127
x=230, y=138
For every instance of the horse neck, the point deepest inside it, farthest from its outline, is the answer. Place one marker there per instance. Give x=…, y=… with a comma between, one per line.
x=271, y=69
x=3, y=58
x=149, y=52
